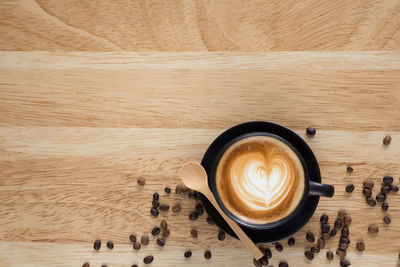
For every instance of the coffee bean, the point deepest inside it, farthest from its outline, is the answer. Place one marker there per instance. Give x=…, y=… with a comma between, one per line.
x=349, y=169
x=156, y=196
x=368, y=184
x=161, y=242
x=257, y=263
x=199, y=209
x=373, y=229
x=103, y=265
x=97, y=244
x=387, y=219
x=154, y=212
x=278, y=247
x=309, y=255
x=283, y=264
x=341, y=253
x=386, y=189
x=148, y=259
x=325, y=228
x=187, y=254
x=345, y=231
x=110, y=245
x=310, y=131
x=192, y=195
x=155, y=203
x=176, y=208
x=210, y=221
x=345, y=240
x=144, y=240
x=141, y=181
x=167, y=190
x=86, y=264
x=371, y=201
x=179, y=189
x=360, y=246
x=165, y=233
x=343, y=246
x=387, y=140
x=207, y=254
x=315, y=249
x=134, y=265
x=132, y=238
x=268, y=253
x=155, y=231
x=381, y=197
x=310, y=237
x=342, y=214
x=193, y=216
x=349, y=188
x=329, y=255
x=264, y=261
x=333, y=232
x=291, y=241
x=325, y=236
x=221, y=236
x=344, y=263
x=394, y=188
x=347, y=221
x=324, y=218
x=321, y=243
x=385, y=206
x=163, y=224
x=136, y=246
x=367, y=192
x=164, y=207
x=193, y=233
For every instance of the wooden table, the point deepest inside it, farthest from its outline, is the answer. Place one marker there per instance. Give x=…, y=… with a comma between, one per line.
x=95, y=95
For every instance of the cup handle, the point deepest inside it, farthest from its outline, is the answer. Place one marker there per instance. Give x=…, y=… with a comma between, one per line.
x=318, y=189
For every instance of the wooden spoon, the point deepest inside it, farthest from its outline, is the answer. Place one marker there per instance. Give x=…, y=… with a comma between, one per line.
x=194, y=176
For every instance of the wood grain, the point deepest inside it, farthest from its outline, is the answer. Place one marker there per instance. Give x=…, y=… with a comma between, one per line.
x=176, y=25
x=77, y=130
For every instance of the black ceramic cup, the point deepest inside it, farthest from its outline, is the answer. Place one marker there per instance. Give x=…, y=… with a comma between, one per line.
x=313, y=186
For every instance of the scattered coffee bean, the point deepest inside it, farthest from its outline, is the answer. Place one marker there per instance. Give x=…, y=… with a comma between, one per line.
x=136, y=246
x=257, y=263
x=86, y=264
x=132, y=238
x=324, y=218
x=176, y=208
x=344, y=240
x=349, y=169
x=381, y=197
x=360, y=246
x=373, y=229
x=154, y=212
x=394, y=188
x=387, y=140
x=368, y=184
x=326, y=236
x=163, y=224
x=210, y=221
x=345, y=231
x=110, y=245
x=347, y=221
x=156, y=196
x=385, y=206
x=338, y=223
x=321, y=243
x=344, y=263
x=192, y=195
x=155, y=203
x=144, y=240
x=315, y=249
x=371, y=201
x=221, y=236
x=103, y=265
x=267, y=253
x=148, y=259
x=325, y=228
x=343, y=246
x=341, y=253
x=134, y=265
x=199, y=209
x=161, y=242
x=333, y=232
x=387, y=179
x=164, y=207
x=97, y=244
x=311, y=131
x=309, y=255
x=349, y=188
x=155, y=231
x=179, y=189
x=194, y=233
x=329, y=255
x=165, y=233
x=278, y=247
x=207, y=254
x=367, y=192
x=167, y=190
x=291, y=241
x=141, y=182
x=386, y=189
x=310, y=237
x=187, y=254
x=387, y=219
x=342, y=214
x=283, y=264
x=193, y=216
x=264, y=261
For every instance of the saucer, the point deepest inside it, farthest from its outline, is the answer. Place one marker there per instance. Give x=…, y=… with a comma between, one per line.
x=303, y=216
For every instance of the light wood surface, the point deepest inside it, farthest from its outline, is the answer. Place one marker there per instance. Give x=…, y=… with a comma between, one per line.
x=78, y=129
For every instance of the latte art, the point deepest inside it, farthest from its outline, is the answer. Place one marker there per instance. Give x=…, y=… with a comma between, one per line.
x=259, y=179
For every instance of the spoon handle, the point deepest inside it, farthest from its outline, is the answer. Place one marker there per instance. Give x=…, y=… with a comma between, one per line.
x=255, y=252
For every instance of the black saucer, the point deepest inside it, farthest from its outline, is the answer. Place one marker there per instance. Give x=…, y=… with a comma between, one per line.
x=290, y=227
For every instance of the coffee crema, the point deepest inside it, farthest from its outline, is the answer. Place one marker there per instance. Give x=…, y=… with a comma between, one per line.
x=260, y=179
